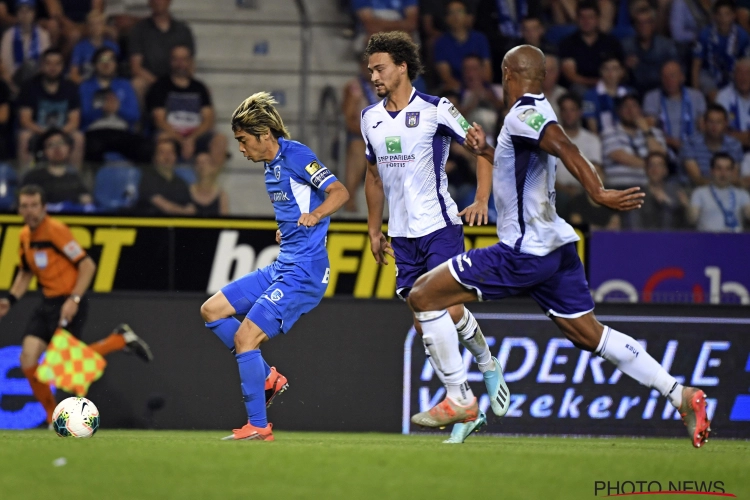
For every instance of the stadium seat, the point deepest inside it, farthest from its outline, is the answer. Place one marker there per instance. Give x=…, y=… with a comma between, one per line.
x=8, y=186
x=116, y=187
x=187, y=174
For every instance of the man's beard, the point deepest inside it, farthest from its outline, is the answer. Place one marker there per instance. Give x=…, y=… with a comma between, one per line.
x=50, y=79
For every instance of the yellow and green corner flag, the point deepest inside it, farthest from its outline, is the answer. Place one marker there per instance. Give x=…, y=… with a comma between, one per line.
x=70, y=364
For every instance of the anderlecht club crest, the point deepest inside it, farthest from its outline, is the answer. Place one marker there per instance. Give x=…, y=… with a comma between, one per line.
x=412, y=119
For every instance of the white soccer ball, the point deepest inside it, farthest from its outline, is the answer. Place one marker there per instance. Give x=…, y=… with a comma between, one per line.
x=76, y=417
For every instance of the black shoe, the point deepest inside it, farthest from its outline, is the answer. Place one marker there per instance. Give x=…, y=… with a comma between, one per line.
x=134, y=344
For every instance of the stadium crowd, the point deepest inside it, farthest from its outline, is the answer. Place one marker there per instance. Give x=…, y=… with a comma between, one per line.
x=101, y=109
x=656, y=93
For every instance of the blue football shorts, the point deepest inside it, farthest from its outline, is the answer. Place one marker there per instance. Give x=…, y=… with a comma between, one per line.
x=276, y=296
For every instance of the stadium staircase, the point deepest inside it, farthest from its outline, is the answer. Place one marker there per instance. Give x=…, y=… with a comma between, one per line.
x=244, y=46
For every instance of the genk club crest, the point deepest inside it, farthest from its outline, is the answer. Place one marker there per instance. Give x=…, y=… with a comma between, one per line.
x=277, y=172
x=412, y=119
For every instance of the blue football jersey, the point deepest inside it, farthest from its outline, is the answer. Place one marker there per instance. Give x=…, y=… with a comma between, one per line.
x=296, y=182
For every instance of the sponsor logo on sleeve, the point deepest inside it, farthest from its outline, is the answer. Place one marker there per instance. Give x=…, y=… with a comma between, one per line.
x=73, y=250
x=532, y=118
x=459, y=118
x=320, y=177
x=313, y=167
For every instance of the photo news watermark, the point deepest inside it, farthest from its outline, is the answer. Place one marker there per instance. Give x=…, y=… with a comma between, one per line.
x=653, y=487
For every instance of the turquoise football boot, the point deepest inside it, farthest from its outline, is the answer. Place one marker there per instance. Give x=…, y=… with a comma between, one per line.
x=463, y=430
x=497, y=390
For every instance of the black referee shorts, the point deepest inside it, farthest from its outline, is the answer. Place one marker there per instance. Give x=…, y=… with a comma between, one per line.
x=46, y=318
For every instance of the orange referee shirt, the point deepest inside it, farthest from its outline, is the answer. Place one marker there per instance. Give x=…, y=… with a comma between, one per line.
x=52, y=254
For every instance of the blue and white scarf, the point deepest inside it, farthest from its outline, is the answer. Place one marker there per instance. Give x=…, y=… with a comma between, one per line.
x=19, y=55
x=508, y=25
x=686, y=116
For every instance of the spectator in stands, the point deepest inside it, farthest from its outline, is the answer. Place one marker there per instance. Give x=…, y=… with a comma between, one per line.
x=735, y=98
x=745, y=172
x=4, y=120
x=599, y=102
x=110, y=113
x=510, y=15
x=665, y=202
x=49, y=101
x=22, y=46
x=625, y=145
x=532, y=33
x=719, y=206
x=552, y=90
x=480, y=101
x=209, y=198
x=676, y=109
x=432, y=15
x=181, y=109
x=151, y=44
x=646, y=52
x=82, y=61
x=161, y=191
x=698, y=149
x=56, y=176
x=583, y=52
x=686, y=21
x=358, y=94
x=374, y=16
x=567, y=186
x=718, y=47
x=584, y=210
x=456, y=44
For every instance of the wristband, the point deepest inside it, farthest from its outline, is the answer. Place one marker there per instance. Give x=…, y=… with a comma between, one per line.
x=12, y=299
x=75, y=298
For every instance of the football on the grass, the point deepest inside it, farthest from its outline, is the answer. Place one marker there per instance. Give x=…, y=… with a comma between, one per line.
x=76, y=417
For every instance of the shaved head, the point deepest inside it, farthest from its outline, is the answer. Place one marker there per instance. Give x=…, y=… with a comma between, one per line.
x=526, y=61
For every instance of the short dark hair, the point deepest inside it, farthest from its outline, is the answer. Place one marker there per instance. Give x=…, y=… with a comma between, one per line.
x=619, y=101
x=32, y=190
x=716, y=108
x=724, y=3
x=462, y=2
x=101, y=50
x=569, y=97
x=657, y=154
x=182, y=46
x=587, y=5
x=52, y=51
x=721, y=155
x=473, y=55
x=53, y=131
x=609, y=56
x=400, y=47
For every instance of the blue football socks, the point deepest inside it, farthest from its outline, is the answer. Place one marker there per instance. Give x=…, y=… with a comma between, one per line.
x=253, y=380
x=225, y=328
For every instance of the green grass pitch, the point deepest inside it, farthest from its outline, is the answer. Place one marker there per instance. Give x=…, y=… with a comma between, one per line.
x=186, y=465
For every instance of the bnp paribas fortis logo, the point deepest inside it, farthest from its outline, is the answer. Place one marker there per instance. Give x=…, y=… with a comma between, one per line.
x=393, y=144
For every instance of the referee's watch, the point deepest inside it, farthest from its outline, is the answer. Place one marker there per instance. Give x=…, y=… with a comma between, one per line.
x=75, y=298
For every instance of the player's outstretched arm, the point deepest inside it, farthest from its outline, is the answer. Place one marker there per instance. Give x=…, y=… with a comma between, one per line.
x=337, y=196
x=17, y=290
x=479, y=210
x=476, y=143
x=555, y=142
x=375, y=196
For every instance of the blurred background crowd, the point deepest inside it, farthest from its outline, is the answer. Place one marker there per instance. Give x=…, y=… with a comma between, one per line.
x=655, y=93
x=101, y=107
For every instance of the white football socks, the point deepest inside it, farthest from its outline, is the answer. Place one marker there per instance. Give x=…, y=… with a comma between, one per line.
x=632, y=359
x=472, y=338
x=439, y=337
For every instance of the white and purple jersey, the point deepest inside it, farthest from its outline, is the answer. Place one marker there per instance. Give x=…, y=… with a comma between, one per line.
x=410, y=148
x=523, y=181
